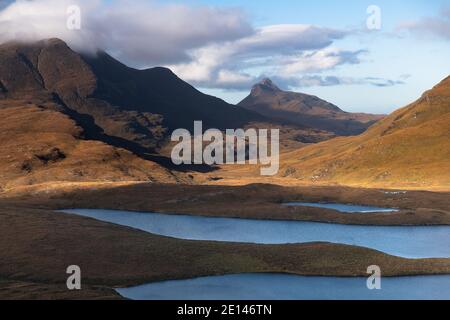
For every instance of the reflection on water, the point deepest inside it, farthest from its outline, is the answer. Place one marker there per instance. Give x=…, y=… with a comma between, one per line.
x=349, y=208
x=410, y=242
x=291, y=287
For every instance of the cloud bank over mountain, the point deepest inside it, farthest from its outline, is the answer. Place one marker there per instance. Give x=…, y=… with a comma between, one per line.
x=278, y=49
x=211, y=47
x=144, y=32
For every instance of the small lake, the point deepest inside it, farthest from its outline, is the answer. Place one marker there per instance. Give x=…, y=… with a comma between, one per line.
x=348, y=208
x=408, y=242
x=291, y=287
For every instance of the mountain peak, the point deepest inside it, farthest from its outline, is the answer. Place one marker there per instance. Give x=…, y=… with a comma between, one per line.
x=304, y=110
x=54, y=41
x=265, y=85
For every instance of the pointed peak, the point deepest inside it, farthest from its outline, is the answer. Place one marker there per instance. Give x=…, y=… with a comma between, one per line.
x=54, y=41
x=265, y=85
x=268, y=83
x=51, y=42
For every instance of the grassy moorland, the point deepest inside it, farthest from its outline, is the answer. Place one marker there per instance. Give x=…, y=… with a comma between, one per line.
x=37, y=245
x=409, y=148
x=40, y=144
x=252, y=201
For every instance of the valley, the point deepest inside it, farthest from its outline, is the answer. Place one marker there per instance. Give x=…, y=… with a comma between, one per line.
x=86, y=132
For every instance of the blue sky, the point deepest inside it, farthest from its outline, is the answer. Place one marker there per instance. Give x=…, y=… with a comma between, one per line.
x=331, y=13
x=223, y=47
x=424, y=59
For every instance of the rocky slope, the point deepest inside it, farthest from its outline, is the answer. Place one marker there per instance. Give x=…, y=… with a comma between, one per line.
x=306, y=110
x=136, y=106
x=67, y=116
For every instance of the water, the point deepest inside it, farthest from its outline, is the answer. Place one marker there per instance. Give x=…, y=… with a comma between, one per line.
x=348, y=208
x=408, y=242
x=291, y=287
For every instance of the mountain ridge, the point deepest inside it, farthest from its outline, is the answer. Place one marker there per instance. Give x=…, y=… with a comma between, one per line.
x=100, y=86
x=296, y=108
x=124, y=111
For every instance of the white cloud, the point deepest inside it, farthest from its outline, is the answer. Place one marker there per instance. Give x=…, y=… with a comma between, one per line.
x=207, y=46
x=234, y=79
x=142, y=32
x=326, y=81
x=319, y=60
x=437, y=27
x=283, y=39
x=281, y=49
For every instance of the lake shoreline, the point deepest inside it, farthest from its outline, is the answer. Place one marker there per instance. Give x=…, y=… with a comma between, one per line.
x=29, y=271
x=415, y=242
x=265, y=202
x=284, y=286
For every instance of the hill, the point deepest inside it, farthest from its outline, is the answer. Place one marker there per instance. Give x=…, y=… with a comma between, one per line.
x=138, y=106
x=80, y=117
x=40, y=144
x=409, y=148
x=305, y=110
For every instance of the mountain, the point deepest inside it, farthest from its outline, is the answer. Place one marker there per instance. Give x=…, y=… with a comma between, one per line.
x=41, y=144
x=306, y=110
x=409, y=148
x=66, y=116
x=81, y=117
x=138, y=106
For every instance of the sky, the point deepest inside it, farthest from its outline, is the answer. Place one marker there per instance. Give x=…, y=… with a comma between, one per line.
x=364, y=56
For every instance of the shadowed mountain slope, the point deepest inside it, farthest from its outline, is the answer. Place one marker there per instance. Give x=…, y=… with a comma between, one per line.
x=41, y=144
x=306, y=110
x=139, y=108
x=118, y=109
x=136, y=105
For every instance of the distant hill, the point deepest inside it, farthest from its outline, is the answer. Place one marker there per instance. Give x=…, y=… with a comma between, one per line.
x=409, y=148
x=306, y=110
